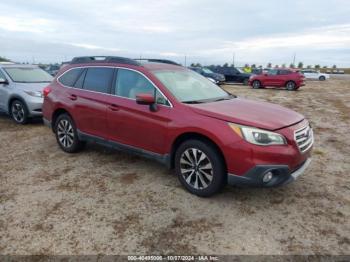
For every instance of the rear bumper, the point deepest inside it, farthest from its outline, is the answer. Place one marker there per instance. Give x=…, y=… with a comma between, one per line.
x=282, y=175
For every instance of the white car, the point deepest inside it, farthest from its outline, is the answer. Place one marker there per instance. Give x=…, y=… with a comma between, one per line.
x=313, y=74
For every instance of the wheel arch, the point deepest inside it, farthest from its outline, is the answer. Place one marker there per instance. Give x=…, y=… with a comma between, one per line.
x=193, y=135
x=13, y=98
x=56, y=114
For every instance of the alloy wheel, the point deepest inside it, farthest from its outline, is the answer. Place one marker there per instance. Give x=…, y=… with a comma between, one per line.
x=196, y=168
x=65, y=133
x=256, y=84
x=290, y=85
x=18, y=112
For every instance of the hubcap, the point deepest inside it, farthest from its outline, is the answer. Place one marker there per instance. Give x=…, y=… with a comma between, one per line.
x=18, y=112
x=196, y=168
x=290, y=85
x=65, y=133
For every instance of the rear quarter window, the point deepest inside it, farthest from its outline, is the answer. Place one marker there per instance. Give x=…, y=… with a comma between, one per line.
x=70, y=77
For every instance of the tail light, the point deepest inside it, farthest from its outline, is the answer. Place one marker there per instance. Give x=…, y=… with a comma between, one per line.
x=46, y=91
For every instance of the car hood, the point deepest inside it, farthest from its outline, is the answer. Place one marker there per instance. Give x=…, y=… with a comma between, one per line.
x=250, y=113
x=32, y=86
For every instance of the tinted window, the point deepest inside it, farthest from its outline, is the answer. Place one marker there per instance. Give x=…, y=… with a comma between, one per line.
x=273, y=72
x=98, y=79
x=69, y=78
x=130, y=83
x=284, y=72
x=79, y=83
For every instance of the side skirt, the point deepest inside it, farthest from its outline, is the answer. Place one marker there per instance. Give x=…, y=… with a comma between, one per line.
x=164, y=159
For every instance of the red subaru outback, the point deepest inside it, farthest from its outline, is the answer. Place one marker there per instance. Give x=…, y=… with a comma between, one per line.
x=290, y=79
x=178, y=117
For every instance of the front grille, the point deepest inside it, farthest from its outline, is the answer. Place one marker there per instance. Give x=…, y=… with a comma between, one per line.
x=304, y=137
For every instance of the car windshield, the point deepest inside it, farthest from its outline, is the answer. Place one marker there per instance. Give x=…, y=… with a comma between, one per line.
x=190, y=87
x=28, y=74
x=240, y=70
x=207, y=70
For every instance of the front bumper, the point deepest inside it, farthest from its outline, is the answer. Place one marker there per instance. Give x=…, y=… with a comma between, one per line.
x=282, y=175
x=34, y=105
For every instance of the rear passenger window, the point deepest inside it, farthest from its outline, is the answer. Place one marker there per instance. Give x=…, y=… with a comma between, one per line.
x=98, y=79
x=79, y=83
x=70, y=77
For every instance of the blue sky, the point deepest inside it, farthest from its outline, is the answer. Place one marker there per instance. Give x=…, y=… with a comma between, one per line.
x=208, y=32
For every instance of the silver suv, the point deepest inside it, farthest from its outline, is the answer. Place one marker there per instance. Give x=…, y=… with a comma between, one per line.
x=21, y=88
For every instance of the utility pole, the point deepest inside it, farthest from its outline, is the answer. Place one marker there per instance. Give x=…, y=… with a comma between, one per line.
x=294, y=59
x=233, y=59
x=185, y=61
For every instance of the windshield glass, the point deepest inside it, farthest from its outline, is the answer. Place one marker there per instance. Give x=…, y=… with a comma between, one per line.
x=207, y=70
x=240, y=70
x=188, y=86
x=28, y=74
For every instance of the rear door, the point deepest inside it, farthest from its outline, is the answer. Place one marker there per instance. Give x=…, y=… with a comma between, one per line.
x=271, y=78
x=136, y=125
x=90, y=98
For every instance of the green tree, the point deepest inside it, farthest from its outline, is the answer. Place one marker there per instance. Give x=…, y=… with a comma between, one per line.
x=334, y=66
x=309, y=66
x=3, y=59
x=225, y=65
x=292, y=65
x=300, y=65
x=269, y=65
x=317, y=66
x=283, y=66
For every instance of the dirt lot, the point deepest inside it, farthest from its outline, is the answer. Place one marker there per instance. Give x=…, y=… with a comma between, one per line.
x=102, y=201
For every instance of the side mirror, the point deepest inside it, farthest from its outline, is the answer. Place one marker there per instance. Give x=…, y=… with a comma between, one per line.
x=145, y=99
x=3, y=81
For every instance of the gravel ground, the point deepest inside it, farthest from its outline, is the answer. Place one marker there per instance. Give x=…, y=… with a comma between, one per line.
x=104, y=202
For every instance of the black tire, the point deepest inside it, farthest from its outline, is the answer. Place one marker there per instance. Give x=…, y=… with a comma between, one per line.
x=19, y=112
x=245, y=81
x=291, y=86
x=322, y=78
x=67, y=135
x=256, y=84
x=202, y=181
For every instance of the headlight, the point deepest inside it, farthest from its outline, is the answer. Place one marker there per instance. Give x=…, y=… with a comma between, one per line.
x=34, y=93
x=258, y=136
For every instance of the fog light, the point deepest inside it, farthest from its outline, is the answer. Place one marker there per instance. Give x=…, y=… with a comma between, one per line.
x=267, y=177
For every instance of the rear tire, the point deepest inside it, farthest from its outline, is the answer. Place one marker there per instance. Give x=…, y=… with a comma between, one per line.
x=256, y=84
x=322, y=78
x=67, y=135
x=200, y=168
x=19, y=112
x=291, y=86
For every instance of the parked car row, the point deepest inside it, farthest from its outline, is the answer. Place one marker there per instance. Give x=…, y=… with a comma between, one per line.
x=164, y=112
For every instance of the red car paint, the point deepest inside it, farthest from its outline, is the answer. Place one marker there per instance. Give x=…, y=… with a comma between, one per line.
x=280, y=79
x=124, y=121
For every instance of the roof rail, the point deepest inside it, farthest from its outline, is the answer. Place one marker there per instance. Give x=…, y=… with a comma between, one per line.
x=104, y=59
x=156, y=60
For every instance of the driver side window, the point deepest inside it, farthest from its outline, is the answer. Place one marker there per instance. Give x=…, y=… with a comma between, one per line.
x=130, y=83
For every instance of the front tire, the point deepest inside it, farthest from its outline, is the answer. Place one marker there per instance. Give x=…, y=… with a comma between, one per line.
x=322, y=78
x=19, y=112
x=291, y=86
x=200, y=168
x=67, y=135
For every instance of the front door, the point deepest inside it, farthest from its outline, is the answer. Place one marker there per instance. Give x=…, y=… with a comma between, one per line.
x=136, y=125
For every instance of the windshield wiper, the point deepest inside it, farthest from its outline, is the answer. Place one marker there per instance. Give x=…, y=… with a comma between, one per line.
x=193, y=102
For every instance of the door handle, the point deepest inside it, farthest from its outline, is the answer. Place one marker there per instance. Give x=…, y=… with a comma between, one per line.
x=73, y=97
x=114, y=107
